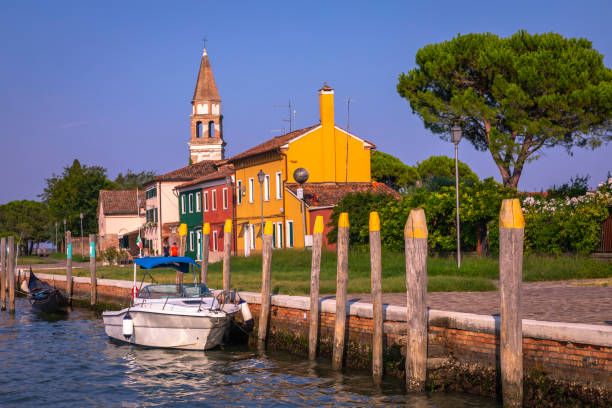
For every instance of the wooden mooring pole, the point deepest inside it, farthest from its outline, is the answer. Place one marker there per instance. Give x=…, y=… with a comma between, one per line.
x=205, y=253
x=227, y=254
x=69, y=265
x=266, y=261
x=10, y=273
x=3, y=273
x=341, y=284
x=315, y=271
x=511, y=235
x=415, y=239
x=92, y=269
x=377, y=305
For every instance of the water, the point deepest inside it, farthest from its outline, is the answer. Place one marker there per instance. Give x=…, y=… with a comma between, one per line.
x=68, y=360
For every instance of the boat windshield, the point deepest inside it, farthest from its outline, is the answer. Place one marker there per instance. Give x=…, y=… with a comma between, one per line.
x=170, y=290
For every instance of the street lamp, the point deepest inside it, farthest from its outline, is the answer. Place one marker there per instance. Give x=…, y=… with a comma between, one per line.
x=65, y=249
x=260, y=177
x=230, y=185
x=456, y=138
x=81, y=217
x=55, y=236
x=301, y=176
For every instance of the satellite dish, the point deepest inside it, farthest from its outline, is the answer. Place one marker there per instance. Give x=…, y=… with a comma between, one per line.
x=300, y=175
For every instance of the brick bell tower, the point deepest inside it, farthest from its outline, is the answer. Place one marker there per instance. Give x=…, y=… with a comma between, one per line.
x=206, y=141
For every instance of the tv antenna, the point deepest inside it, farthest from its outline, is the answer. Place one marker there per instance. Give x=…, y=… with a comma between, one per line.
x=292, y=113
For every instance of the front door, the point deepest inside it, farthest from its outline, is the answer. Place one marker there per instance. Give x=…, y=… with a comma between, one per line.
x=199, y=244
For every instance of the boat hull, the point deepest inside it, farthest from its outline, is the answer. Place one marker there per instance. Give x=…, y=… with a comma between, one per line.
x=179, y=331
x=51, y=302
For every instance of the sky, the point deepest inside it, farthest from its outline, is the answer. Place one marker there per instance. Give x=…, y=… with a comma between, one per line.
x=110, y=83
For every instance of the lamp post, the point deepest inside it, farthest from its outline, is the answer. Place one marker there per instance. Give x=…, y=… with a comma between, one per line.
x=301, y=176
x=456, y=138
x=65, y=249
x=230, y=184
x=260, y=177
x=82, y=253
x=55, y=236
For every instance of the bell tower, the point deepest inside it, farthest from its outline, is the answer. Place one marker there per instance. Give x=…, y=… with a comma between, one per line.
x=206, y=142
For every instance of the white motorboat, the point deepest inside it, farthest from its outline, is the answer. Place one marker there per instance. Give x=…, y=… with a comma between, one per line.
x=182, y=316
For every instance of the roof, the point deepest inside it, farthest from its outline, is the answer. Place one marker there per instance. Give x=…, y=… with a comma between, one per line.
x=221, y=173
x=206, y=88
x=272, y=144
x=120, y=202
x=190, y=172
x=330, y=194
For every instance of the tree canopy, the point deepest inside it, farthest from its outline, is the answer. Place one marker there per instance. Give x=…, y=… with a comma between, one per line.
x=26, y=220
x=392, y=171
x=76, y=190
x=513, y=96
x=439, y=171
x=131, y=180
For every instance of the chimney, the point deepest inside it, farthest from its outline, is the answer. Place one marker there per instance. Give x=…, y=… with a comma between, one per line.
x=326, y=106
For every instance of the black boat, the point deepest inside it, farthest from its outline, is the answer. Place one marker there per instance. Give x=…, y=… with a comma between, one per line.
x=44, y=297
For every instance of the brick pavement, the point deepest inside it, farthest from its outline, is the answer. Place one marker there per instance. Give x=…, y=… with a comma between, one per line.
x=549, y=301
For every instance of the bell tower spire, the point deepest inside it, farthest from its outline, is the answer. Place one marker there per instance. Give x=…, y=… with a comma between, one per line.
x=206, y=142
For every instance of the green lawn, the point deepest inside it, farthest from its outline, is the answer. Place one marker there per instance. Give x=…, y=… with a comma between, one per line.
x=291, y=272
x=35, y=260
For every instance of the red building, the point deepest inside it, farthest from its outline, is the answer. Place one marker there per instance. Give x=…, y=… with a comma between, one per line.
x=216, y=204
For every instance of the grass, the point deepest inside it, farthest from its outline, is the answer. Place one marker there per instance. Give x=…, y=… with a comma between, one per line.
x=34, y=260
x=291, y=272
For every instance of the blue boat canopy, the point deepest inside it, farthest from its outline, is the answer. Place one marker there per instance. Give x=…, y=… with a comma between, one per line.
x=180, y=263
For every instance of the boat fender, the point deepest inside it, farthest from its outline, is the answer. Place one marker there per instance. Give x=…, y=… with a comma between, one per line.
x=134, y=292
x=128, y=326
x=246, y=312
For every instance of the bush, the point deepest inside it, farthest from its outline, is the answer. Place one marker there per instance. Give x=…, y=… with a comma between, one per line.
x=110, y=256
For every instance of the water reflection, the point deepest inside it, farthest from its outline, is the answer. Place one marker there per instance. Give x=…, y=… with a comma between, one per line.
x=68, y=361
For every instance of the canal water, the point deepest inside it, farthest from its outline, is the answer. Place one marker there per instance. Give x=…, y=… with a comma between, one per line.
x=67, y=361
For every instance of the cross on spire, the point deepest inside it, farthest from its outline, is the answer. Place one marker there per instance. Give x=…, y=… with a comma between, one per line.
x=204, y=41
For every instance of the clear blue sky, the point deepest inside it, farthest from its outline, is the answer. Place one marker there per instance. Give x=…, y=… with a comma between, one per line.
x=110, y=82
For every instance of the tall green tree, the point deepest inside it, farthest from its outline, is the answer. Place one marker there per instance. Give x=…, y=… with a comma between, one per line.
x=131, y=180
x=439, y=171
x=76, y=190
x=392, y=171
x=513, y=96
x=26, y=220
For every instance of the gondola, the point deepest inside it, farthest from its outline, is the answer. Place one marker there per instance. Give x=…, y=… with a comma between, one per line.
x=44, y=297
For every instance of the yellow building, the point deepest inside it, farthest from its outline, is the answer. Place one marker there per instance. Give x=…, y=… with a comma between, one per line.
x=333, y=157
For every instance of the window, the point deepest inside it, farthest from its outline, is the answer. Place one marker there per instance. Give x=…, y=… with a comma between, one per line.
x=183, y=204
x=151, y=193
x=214, y=200
x=239, y=192
x=198, y=201
x=215, y=243
x=191, y=240
x=198, y=129
x=251, y=192
x=206, y=201
x=289, y=234
x=225, y=198
x=211, y=129
x=279, y=185
x=155, y=215
x=266, y=187
x=279, y=234
x=252, y=232
x=190, y=202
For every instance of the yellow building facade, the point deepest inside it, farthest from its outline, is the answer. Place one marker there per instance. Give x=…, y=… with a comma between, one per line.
x=329, y=154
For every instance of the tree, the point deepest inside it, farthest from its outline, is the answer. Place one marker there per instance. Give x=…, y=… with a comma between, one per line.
x=513, y=96
x=28, y=221
x=76, y=190
x=391, y=171
x=131, y=180
x=439, y=171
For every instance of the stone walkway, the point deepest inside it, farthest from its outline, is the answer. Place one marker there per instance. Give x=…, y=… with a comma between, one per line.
x=549, y=301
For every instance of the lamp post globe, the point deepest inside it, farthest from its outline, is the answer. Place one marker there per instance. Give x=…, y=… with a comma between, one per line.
x=456, y=134
x=300, y=175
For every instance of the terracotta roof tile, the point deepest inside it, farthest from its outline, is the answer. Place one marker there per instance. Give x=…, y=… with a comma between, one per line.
x=271, y=144
x=222, y=172
x=116, y=202
x=206, y=88
x=190, y=172
x=330, y=194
